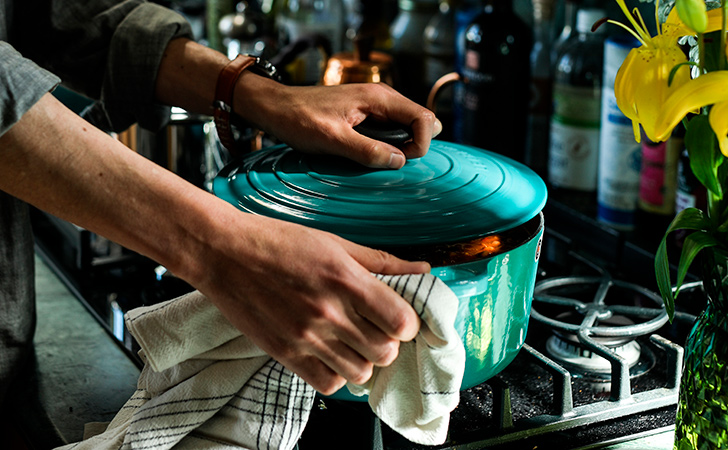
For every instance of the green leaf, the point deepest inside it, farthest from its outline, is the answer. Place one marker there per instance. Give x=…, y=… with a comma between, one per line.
x=720, y=212
x=692, y=245
x=674, y=70
x=704, y=156
x=662, y=274
x=723, y=228
x=687, y=219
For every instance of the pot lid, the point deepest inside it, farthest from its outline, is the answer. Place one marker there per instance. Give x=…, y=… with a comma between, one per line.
x=451, y=194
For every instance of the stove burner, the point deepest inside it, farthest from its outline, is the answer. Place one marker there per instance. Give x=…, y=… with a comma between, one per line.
x=575, y=356
x=597, y=320
x=565, y=347
x=564, y=292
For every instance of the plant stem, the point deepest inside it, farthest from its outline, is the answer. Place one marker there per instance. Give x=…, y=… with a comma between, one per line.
x=724, y=15
x=701, y=52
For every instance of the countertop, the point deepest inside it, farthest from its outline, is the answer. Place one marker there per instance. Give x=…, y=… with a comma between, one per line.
x=78, y=374
x=661, y=439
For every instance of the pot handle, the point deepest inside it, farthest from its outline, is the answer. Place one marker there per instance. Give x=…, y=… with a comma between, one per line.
x=439, y=84
x=390, y=132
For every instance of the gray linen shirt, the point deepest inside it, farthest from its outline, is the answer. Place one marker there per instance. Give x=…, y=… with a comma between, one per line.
x=107, y=50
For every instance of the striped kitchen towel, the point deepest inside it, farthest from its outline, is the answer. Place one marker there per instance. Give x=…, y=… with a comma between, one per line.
x=206, y=386
x=417, y=392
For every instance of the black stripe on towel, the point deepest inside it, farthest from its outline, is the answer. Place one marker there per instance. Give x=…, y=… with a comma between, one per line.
x=427, y=297
x=439, y=392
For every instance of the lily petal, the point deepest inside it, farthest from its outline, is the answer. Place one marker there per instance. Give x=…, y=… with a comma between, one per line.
x=715, y=20
x=705, y=90
x=718, y=119
x=673, y=25
x=641, y=85
x=624, y=92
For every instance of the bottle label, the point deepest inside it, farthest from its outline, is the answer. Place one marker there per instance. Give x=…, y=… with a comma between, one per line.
x=619, y=171
x=653, y=173
x=577, y=105
x=658, y=177
x=684, y=200
x=574, y=146
x=619, y=153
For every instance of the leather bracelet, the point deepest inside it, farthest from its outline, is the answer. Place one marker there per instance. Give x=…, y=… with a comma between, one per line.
x=223, y=104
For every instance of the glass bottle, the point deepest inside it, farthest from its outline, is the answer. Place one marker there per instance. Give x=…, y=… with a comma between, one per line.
x=439, y=47
x=576, y=118
x=465, y=12
x=658, y=180
x=299, y=18
x=406, y=31
x=497, y=76
x=689, y=192
x=371, y=20
x=539, y=108
x=216, y=9
x=568, y=30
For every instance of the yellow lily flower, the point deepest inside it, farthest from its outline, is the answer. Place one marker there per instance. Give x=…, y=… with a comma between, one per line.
x=641, y=85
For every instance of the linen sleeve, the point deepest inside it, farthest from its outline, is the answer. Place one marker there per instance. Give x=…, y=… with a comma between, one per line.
x=136, y=50
x=107, y=50
x=22, y=84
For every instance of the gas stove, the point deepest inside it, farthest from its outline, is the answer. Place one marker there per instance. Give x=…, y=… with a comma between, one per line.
x=601, y=361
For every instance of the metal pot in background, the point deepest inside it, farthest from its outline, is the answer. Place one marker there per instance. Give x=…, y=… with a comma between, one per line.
x=363, y=65
x=187, y=146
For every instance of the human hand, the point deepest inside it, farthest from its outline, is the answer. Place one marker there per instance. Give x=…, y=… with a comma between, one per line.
x=321, y=119
x=308, y=299
x=317, y=119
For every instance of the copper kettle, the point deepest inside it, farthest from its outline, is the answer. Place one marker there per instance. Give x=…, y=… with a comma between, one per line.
x=363, y=65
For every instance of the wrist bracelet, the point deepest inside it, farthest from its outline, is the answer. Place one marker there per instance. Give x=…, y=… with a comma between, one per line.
x=223, y=104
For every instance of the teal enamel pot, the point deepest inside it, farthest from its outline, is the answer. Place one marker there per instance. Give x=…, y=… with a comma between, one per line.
x=473, y=214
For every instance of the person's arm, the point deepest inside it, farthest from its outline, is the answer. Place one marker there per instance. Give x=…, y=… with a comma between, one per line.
x=304, y=296
x=316, y=119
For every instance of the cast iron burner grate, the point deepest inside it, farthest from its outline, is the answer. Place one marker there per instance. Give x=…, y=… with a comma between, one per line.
x=600, y=332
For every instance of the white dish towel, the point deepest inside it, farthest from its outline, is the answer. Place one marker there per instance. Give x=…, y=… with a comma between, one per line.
x=206, y=386
x=416, y=393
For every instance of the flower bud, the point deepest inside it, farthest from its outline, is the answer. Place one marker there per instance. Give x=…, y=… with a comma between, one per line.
x=693, y=14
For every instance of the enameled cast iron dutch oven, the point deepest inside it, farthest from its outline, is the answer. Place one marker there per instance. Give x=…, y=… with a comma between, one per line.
x=474, y=215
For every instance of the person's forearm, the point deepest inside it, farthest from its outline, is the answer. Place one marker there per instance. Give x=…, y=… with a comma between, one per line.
x=58, y=162
x=188, y=74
